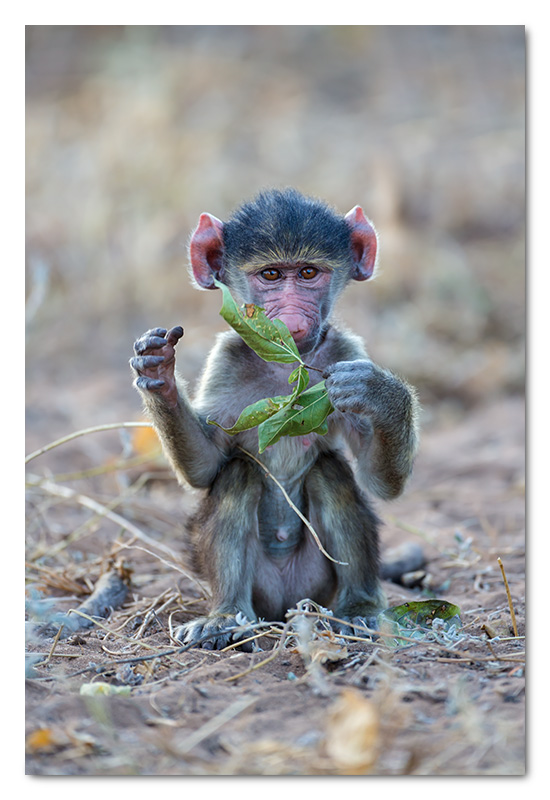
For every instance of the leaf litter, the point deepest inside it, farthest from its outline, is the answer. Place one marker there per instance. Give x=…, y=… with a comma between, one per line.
x=392, y=704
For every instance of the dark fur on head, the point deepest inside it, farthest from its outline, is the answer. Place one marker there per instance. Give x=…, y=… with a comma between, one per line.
x=286, y=227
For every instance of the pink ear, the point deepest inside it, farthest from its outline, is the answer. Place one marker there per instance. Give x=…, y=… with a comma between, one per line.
x=206, y=250
x=364, y=243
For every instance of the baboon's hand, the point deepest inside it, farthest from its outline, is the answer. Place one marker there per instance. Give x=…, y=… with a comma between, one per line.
x=364, y=388
x=154, y=362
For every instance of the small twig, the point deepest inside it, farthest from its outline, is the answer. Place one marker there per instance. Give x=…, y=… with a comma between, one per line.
x=103, y=627
x=274, y=653
x=52, y=649
x=88, y=525
x=57, y=655
x=488, y=643
x=169, y=564
x=109, y=427
x=507, y=639
x=316, y=369
x=216, y=722
x=121, y=465
x=472, y=659
x=101, y=668
x=514, y=626
x=173, y=651
x=306, y=522
x=99, y=508
x=152, y=613
x=240, y=642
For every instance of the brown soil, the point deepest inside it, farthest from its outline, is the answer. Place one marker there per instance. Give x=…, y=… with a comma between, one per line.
x=436, y=707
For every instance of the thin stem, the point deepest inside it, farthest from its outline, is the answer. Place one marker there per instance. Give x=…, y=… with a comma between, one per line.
x=103, y=511
x=294, y=508
x=307, y=366
x=84, y=432
x=512, y=614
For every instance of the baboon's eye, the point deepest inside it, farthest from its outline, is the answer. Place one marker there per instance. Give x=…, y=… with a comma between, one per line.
x=271, y=274
x=308, y=273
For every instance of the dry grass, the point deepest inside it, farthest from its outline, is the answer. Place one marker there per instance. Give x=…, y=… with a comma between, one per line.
x=447, y=703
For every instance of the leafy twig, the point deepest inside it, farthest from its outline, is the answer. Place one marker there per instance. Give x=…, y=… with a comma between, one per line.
x=302, y=411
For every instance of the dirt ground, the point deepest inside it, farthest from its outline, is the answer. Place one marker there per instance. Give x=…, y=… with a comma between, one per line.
x=131, y=133
x=439, y=707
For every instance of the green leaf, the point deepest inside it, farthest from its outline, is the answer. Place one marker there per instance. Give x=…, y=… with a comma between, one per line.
x=261, y=410
x=255, y=414
x=270, y=339
x=294, y=375
x=307, y=414
x=423, y=613
x=415, y=619
x=322, y=430
x=301, y=375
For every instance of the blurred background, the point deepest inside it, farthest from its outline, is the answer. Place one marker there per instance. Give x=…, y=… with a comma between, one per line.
x=133, y=131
